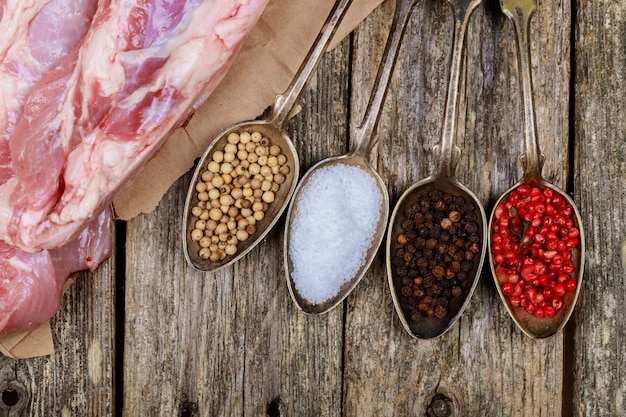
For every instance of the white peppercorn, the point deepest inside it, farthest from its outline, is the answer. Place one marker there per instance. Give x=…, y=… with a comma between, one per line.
x=236, y=189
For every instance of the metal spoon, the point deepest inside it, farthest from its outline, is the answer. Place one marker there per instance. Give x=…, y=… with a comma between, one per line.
x=446, y=158
x=520, y=12
x=273, y=128
x=358, y=156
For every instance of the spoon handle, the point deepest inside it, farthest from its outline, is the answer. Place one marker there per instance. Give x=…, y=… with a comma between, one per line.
x=520, y=12
x=284, y=102
x=447, y=154
x=365, y=139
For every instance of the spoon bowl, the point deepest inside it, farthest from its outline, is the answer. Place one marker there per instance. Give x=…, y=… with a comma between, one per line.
x=343, y=279
x=533, y=324
x=273, y=128
x=319, y=307
x=422, y=319
x=528, y=323
x=277, y=136
x=429, y=327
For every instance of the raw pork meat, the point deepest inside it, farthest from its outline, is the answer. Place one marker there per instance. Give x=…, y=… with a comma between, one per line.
x=95, y=121
x=32, y=283
x=35, y=36
x=81, y=116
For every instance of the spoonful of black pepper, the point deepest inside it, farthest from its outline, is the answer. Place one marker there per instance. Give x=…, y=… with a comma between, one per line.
x=436, y=240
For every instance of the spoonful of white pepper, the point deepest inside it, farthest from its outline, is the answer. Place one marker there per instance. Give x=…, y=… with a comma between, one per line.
x=247, y=175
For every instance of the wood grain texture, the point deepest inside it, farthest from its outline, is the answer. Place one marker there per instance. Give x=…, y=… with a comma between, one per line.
x=600, y=189
x=232, y=342
x=79, y=378
x=479, y=363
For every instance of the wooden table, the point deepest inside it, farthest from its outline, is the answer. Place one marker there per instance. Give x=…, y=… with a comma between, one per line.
x=145, y=335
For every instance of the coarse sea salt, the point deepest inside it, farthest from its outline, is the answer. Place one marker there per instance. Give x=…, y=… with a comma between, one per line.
x=338, y=210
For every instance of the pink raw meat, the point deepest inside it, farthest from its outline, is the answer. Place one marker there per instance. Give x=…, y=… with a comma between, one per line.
x=79, y=119
x=90, y=127
x=32, y=283
x=35, y=36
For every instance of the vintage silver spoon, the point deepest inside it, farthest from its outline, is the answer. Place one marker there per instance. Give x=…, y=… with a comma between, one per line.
x=357, y=158
x=520, y=12
x=446, y=158
x=273, y=128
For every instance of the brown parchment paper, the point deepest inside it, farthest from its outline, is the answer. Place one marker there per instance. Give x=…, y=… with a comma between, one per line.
x=269, y=58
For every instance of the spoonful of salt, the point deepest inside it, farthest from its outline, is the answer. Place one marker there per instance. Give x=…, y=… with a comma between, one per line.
x=336, y=220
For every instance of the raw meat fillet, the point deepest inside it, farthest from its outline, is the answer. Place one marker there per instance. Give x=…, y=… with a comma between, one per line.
x=80, y=116
x=35, y=36
x=32, y=283
x=91, y=124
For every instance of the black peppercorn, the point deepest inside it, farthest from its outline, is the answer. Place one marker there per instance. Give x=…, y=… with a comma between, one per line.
x=436, y=289
x=407, y=291
x=471, y=227
x=437, y=249
x=440, y=205
x=440, y=311
x=467, y=266
x=422, y=263
x=407, y=258
x=429, y=281
x=456, y=291
x=431, y=243
x=407, y=224
x=438, y=271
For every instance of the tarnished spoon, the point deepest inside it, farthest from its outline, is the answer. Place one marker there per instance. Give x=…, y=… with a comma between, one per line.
x=520, y=12
x=273, y=128
x=337, y=283
x=446, y=158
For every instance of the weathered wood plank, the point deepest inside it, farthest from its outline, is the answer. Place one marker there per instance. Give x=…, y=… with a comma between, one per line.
x=233, y=342
x=484, y=363
x=600, y=189
x=79, y=378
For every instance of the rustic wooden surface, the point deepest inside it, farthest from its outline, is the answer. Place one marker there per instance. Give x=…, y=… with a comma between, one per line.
x=145, y=335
